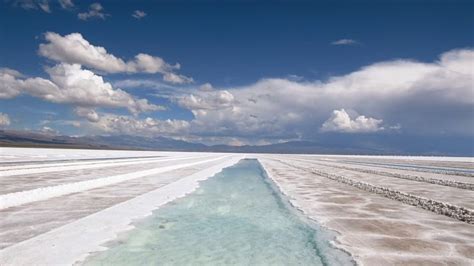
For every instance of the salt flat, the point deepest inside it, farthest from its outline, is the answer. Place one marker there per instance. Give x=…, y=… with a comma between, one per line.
x=374, y=227
x=59, y=205
x=51, y=190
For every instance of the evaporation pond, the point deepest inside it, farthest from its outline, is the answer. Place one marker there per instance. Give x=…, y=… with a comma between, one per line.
x=234, y=218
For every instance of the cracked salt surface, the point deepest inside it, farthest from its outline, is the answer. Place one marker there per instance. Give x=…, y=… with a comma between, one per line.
x=235, y=218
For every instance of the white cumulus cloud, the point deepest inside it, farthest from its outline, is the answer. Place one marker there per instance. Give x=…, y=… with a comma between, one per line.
x=74, y=49
x=404, y=92
x=211, y=100
x=176, y=78
x=340, y=121
x=401, y=92
x=88, y=113
x=9, y=86
x=74, y=85
x=119, y=124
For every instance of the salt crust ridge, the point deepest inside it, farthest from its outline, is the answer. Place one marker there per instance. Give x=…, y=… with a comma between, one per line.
x=72, y=243
x=23, y=197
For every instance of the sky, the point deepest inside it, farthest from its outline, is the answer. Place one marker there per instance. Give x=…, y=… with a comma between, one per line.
x=239, y=72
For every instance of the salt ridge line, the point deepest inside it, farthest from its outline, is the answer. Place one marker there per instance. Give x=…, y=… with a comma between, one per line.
x=414, y=168
x=73, y=242
x=83, y=165
x=31, y=154
x=410, y=171
x=42, y=162
x=445, y=194
x=400, y=157
x=33, y=181
x=435, y=181
x=459, y=213
x=418, y=165
x=80, y=167
x=44, y=193
x=88, y=162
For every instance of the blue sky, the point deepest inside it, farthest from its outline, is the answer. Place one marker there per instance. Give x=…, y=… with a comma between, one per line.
x=249, y=72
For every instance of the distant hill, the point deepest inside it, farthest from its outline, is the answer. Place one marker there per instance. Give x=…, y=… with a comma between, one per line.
x=36, y=139
x=325, y=144
x=145, y=143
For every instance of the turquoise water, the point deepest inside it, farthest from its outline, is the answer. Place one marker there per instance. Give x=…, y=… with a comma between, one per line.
x=233, y=218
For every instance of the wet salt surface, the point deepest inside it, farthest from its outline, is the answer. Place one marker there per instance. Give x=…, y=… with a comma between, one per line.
x=235, y=217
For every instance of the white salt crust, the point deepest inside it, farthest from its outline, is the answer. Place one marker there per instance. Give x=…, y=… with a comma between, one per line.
x=44, y=193
x=72, y=243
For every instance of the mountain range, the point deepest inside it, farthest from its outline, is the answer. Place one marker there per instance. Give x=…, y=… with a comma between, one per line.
x=371, y=144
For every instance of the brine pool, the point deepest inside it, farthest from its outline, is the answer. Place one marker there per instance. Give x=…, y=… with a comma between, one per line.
x=236, y=217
